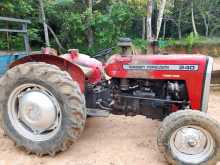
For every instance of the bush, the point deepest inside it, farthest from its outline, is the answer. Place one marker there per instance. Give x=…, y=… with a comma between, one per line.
x=140, y=44
x=188, y=42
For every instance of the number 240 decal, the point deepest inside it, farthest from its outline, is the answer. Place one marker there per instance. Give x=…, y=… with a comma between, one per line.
x=188, y=67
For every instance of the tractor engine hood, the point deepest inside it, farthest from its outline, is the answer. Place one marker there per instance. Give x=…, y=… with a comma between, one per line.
x=156, y=66
x=194, y=70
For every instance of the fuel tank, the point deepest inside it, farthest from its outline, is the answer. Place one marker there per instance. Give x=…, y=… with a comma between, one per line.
x=91, y=67
x=195, y=70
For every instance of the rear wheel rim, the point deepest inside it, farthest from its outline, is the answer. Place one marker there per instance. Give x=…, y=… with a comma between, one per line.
x=34, y=112
x=192, y=144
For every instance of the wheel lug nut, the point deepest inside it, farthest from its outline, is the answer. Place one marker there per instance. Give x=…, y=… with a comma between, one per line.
x=192, y=143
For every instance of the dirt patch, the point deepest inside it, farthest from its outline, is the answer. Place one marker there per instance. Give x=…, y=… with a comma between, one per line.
x=116, y=140
x=216, y=71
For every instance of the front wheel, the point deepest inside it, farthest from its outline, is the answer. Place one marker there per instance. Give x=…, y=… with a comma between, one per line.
x=190, y=138
x=42, y=108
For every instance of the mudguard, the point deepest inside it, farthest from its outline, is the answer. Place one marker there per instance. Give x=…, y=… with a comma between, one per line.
x=75, y=72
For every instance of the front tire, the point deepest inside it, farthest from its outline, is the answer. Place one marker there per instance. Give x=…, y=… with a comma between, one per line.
x=42, y=108
x=190, y=138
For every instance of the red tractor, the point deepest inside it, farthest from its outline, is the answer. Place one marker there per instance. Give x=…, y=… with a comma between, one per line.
x=45, y=100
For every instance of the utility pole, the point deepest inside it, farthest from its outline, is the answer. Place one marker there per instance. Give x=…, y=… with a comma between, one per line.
x=46, y=35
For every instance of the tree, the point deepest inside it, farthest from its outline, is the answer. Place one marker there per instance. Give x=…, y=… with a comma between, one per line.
x=193, y=18
x=160, y=17
x=92, y=25
x=46, y=35
x=149, y=20
x=179, y=20
x=89, y=30
x=207, y=11
x=19, y=9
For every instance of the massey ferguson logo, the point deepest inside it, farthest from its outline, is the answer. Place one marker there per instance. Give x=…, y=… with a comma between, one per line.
x=162, y=67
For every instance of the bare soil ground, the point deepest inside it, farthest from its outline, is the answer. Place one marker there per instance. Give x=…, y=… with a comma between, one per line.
x=216, y=64
x=116, y=140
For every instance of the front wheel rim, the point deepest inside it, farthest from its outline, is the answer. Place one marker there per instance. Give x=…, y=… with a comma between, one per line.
x=34, y=112
x=192, y=144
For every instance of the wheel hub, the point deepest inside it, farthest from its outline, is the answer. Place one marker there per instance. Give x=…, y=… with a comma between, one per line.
x=34, y=112
x=37, y=110
x=190, y=141
x=191, y=144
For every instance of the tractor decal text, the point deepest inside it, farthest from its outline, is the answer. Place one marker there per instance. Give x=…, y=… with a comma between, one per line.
x=162, y=67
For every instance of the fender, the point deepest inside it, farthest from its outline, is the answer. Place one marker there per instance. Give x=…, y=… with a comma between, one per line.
x=75, y=72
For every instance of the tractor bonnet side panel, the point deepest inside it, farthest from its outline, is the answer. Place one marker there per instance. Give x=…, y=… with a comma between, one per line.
x=190, y=68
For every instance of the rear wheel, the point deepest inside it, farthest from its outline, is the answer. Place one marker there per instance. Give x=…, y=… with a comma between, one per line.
x=190, y=137
x=42, y=108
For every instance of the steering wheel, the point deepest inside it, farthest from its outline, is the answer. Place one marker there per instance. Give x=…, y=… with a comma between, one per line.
x=103, y=53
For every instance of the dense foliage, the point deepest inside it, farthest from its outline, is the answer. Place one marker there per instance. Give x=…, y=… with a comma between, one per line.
x=94, y=27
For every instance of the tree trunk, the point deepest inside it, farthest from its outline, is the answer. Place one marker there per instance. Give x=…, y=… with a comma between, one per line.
x=89, y=32
x=143, y=27
x=160, y=17
x=46, y=35
x=7, y=38
x=149, y=26
x=206, y=25
x=179, y=24
x=149, y=20
x=90, y=37
x=193, y=19
x=164, y=29
x=56, y=38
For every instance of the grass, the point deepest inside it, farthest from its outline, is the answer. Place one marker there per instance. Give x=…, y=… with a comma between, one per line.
x=192, y=41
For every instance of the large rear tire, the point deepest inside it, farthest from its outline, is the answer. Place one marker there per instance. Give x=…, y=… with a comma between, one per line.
x=190, y=138
x=42, y=108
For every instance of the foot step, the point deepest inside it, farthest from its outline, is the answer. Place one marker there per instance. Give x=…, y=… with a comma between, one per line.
x=97, y=113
